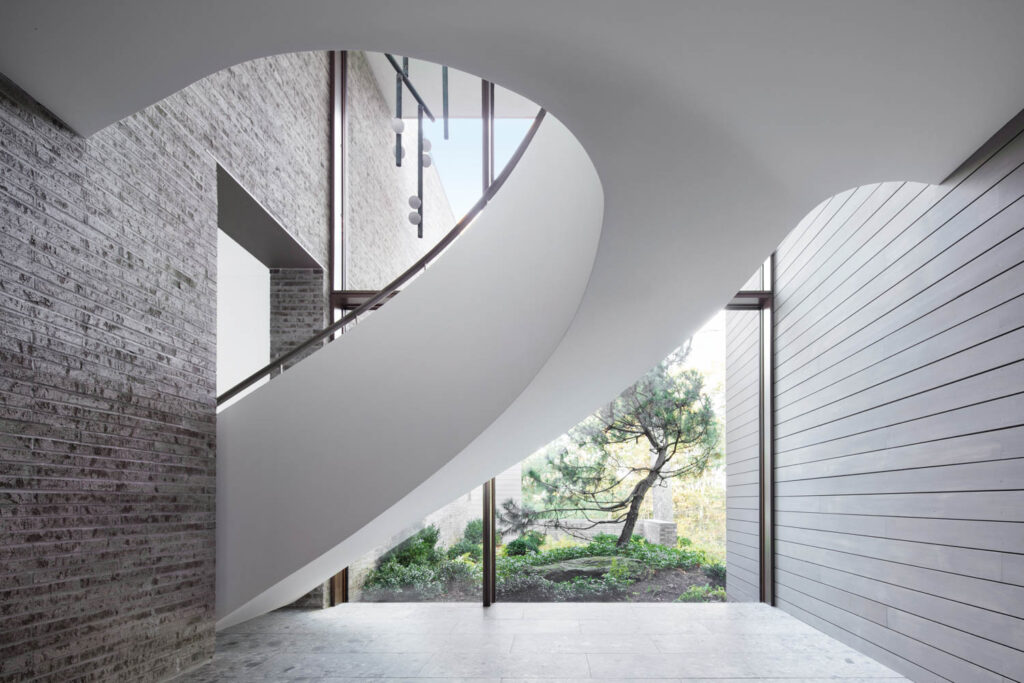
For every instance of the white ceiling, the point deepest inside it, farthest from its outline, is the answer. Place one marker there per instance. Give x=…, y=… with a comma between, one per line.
x=714, y=126
x=463, y=91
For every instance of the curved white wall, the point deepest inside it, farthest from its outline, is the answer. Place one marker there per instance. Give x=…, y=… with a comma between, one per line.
x=335, y=445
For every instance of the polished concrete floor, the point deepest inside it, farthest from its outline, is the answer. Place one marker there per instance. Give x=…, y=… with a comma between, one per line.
x=516, y=641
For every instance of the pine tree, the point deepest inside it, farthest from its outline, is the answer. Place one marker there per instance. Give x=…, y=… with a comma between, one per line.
x=588, y=474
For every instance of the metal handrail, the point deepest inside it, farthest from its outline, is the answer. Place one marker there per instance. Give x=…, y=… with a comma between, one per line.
x=392, y=287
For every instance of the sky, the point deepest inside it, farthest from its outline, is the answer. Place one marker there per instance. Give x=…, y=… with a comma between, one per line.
x=458, y=159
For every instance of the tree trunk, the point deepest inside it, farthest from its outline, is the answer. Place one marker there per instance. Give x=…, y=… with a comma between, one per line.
x=637, y=499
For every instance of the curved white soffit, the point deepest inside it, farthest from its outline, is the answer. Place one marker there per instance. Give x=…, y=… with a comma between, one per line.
x=323, y=451
x=714, y=126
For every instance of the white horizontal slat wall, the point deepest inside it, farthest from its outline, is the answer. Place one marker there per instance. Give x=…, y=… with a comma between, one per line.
x=899, y=423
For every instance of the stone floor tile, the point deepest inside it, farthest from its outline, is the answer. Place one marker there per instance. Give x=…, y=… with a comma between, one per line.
x=524, y=665
x=357, y=665
x=516, y=626
x=516, y=642
x=624, y=667
x=583, y=643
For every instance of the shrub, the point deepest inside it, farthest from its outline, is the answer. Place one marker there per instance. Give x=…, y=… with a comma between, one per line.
x=459, y=573
x=715, y=572
x=621, y=572
x=703, y=593
x=511, y=583
x=466, y=547
x=420, y=548
x=518, y=547
x=516, y=573
x=394, y=577
x=424, y=580
x=527, y=544
x=684, y=542
x=474, y=531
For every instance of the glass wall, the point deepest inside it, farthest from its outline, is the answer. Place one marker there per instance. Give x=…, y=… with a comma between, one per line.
x=630, y=504
x=438, y=559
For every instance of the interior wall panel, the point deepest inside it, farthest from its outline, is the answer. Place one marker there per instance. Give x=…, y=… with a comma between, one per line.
x=742, y=453
x=899, y=410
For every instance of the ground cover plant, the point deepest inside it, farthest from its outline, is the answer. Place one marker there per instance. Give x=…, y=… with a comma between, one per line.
x=600, y=570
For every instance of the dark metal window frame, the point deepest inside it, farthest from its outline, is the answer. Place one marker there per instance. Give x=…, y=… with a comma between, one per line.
x=338, y=141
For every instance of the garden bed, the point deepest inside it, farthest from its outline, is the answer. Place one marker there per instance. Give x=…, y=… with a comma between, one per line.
x=599, y=571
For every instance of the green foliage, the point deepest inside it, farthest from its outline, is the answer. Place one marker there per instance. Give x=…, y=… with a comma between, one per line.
x=703, y=593
x=684, y=542
x=420, y=548
x=594, y=473
x=621, y=572
x=465, y=547
x=417, y=569
x=516, y=574
x=518, y=547
x=700, y=509
x=716, y=572
x=474, y=532
x=527, y=544
x=423, y=581
x=462, y=572
x=652, y=555
x=396, y=578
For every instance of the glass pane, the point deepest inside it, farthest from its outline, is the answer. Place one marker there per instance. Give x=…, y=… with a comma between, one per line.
x=630, y=505
x=437, y=560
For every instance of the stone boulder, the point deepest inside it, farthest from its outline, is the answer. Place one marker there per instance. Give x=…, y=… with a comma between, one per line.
x=594, y=567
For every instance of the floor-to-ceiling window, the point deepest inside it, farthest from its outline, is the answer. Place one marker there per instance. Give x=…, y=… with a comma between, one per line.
x=628, y=505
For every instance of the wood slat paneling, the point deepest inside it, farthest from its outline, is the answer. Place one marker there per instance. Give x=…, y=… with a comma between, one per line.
x=900, y=422
x=743, y=476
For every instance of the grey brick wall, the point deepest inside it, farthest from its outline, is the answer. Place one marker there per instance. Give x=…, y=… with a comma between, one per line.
x=297, y=308
x=107, y=314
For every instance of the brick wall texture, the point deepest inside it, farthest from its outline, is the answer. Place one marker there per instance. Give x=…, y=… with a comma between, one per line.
x=297, y=309
x=107, y=314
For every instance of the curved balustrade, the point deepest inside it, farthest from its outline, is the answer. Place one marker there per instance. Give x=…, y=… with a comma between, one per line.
x=391, y=289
